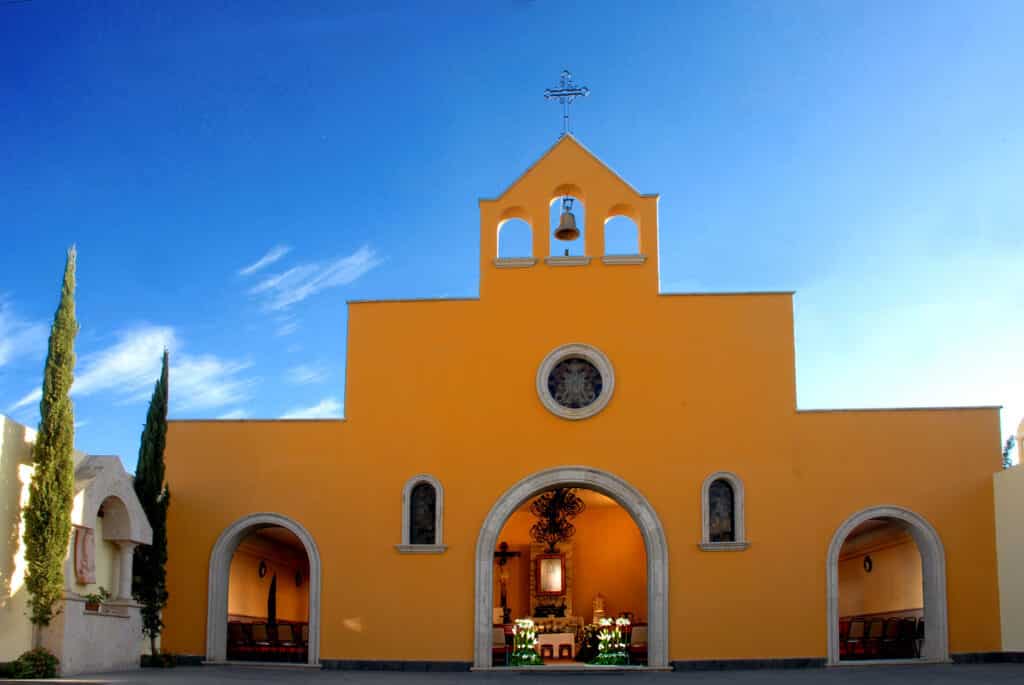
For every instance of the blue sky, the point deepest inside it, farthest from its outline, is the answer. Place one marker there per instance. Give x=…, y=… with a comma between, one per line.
x=233, y=172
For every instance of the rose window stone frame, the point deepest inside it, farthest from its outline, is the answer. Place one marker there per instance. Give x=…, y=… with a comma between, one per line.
x=588, y=353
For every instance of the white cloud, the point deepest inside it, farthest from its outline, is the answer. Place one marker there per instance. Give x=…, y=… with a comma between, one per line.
x=327, y=408
x=28, y=399
x=272, y=256
x=207, y=381
x=18, y=337
x=304, y=374
x=235, y=414
x=296, y=284
x=130, y=367
x=286, y=328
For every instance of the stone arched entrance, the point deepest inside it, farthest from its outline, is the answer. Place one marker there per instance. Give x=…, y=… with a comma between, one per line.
x=220, y=565
x=933, y=575
x=581, y=477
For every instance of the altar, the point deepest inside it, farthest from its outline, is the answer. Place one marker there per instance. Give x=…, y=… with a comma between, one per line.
x=556, y=645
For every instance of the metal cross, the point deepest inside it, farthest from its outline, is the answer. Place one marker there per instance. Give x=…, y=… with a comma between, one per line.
x=566, y=92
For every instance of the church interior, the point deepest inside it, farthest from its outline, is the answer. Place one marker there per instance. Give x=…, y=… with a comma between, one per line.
x=881, y=597
x=268, y=598
x=596, y=568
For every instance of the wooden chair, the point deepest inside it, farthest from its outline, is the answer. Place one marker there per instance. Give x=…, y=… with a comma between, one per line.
x=855, y=638
x=637, y=644
x=890, y=647
x=873, y=638
x=500, y=651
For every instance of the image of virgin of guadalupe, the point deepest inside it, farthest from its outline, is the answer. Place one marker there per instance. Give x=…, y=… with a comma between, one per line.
x=85, y=562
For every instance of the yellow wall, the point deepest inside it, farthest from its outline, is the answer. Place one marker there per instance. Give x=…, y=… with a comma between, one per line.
x=247, y=592
x=893, y=585
x=1009, y=503
x=608, y=557
x=703, y=383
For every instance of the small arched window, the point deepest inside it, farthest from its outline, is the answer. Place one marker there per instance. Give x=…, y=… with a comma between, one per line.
x=422, y=509
x=621, y=236
x=722, y=510
x=515, y=239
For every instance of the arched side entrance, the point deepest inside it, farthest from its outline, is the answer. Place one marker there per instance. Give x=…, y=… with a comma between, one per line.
x=933, y=575
x=581, y=477
x=220, y=565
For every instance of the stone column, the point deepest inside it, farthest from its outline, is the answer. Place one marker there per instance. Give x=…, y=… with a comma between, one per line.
x=124, y=575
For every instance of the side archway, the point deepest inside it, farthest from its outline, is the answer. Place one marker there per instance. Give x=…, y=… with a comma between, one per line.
x=220, y=566
x=606, y=483
x=933, y=575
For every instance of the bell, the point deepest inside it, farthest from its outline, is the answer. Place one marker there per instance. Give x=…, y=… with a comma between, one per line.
x=567, y=223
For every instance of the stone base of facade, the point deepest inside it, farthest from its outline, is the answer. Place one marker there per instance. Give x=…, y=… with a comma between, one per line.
x=746, y=664
x=989, y=658
x=94, y=641
x=394, y=665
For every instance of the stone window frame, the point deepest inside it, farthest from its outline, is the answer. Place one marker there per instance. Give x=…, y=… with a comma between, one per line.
x=738, y=514
x=406, y=546
x=582, y=351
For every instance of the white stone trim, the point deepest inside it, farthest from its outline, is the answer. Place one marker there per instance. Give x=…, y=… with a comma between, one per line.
x=612, y=259
x=571, y=260
x=583, y=351
x=631, y=499
x=738, y=515
x=933, y=576
x=513, y=262
x=406, y=546
x=220, y=565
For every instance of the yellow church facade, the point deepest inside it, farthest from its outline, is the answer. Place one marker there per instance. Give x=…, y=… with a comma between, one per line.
x=573, y=371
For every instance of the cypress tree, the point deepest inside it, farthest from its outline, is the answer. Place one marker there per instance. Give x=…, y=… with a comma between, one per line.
x=149, y=581
x=48, y=514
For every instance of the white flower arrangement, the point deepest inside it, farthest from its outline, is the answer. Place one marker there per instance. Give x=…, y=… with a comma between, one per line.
x=524, y=643
x=611, y=642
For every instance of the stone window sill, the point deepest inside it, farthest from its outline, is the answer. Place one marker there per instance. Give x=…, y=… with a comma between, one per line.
x=514, y=262
x=572, y=260
x=624, y=259
x=421, y=549
x=724, y=546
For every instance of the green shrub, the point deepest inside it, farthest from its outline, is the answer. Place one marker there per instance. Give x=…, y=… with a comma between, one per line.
x=35, y=663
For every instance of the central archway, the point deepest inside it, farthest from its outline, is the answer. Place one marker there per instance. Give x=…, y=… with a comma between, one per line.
x=581, y=477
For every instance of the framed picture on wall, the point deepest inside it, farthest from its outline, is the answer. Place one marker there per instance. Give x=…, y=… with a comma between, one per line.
x=550, y=574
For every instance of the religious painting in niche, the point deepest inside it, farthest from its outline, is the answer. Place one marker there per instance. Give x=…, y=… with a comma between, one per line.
x=574, y=383
x=85, y=563
x=550, y=574
x=422, y=515
x=721, y=520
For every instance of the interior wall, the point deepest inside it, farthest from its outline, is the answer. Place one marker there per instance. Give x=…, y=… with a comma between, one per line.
x=609, y=558
x=247, y=592
x=894, y=584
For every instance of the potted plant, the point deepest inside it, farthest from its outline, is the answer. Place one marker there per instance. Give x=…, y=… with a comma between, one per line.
x=93, y=600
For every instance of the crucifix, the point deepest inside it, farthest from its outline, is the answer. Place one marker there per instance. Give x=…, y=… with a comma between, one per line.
x=502, y=556
x=565, y=93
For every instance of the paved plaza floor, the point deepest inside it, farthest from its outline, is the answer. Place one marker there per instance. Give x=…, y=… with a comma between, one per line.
x=873, y=675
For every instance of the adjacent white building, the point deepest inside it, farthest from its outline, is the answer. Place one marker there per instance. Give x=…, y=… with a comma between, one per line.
x=108, y=522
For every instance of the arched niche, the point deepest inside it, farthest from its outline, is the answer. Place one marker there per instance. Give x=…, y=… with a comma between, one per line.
x=621, y=235
x=515, y=238
x=933, y=576
x=220, y=567
x=629, y=498
x=577, y=247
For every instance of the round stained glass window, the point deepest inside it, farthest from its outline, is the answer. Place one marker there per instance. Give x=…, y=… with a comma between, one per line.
x=574, y=383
